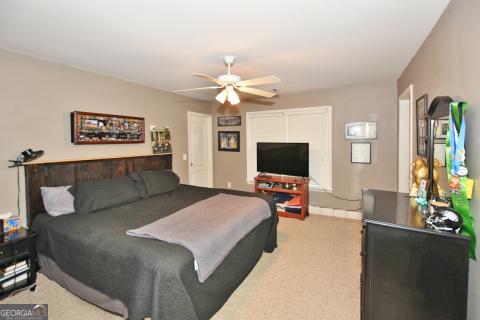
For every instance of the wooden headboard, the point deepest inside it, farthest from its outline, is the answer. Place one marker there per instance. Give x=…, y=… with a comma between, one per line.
x=70, y=172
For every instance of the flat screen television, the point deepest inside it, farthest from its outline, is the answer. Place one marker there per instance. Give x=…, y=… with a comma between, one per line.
x=283, y=158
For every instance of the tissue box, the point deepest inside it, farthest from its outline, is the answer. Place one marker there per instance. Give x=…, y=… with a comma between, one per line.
x=9, y=224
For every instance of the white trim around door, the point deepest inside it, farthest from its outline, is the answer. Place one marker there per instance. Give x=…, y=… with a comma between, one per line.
x=406, y=118
x=200, y=149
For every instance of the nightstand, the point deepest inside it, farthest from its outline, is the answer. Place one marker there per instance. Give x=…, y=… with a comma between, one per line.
x=18, y=261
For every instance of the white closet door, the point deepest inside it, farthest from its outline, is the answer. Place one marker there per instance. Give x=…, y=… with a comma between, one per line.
x=313, y=127
x=268, y=127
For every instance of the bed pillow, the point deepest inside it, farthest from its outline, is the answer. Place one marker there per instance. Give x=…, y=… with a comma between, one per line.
x=100, y=195
x=57, y=200
x=140, y=184
x=158, y=182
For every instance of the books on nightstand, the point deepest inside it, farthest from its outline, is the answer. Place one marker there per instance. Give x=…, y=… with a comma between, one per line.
x=13, y=269
x=14, y=281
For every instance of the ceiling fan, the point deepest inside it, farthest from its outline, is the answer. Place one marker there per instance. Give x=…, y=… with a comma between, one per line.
x=230, y=83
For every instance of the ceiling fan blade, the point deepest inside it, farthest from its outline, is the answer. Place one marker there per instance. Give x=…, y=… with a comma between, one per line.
x=258, y=92
x=258, y=81
x=206, y=77
x=202, y=88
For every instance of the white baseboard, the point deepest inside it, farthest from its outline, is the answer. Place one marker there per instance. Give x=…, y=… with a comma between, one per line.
x=338, y=213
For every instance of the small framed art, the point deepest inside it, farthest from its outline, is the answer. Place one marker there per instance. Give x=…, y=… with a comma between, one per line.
x=439, y=153
x=441, y=129
x=232, y=121
x=421, y=110
x=229, y=141
x=161, y=139
x=361, y=152
x=360, y=130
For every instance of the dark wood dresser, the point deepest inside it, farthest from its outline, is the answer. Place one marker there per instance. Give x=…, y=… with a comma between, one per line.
x=409, y=271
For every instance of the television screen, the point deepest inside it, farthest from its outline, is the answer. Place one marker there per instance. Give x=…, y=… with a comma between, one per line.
x=283, y=158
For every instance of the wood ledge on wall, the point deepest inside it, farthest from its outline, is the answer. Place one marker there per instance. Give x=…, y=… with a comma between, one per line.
x=96, y=158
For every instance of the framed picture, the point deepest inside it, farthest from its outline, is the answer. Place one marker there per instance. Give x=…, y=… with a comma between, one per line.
x=232, y=121
x=229, y=141
x=161, y=139
x=101, y=128
x=361, y=152
x=360, y=130
x=439, y=153
x=441, y=129
x=421, y=110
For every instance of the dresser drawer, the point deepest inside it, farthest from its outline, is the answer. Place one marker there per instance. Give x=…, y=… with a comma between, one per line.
x=10, y=250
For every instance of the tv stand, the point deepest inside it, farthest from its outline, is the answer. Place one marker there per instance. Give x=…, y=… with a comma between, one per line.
x=294, y=186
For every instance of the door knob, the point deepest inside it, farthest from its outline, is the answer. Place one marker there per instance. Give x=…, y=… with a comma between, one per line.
x=191, y=164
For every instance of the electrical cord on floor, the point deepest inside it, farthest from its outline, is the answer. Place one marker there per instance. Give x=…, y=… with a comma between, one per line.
x=335, y=196
x=18, y=191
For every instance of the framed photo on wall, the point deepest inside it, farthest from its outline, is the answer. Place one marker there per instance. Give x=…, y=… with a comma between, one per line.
x=361, y=152
x=232, y=121
x=421, y=113
x=439, y=153
x=360, y=130
x=161, y=139
x=101, y=128
x=441, y=129
x=229, y=141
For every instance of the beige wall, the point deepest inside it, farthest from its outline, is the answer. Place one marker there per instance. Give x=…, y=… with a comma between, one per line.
x=448, y=63
x=375, y=102
x=36, y=98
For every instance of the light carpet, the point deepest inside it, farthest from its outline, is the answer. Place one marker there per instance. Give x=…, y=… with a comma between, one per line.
x=313, y=274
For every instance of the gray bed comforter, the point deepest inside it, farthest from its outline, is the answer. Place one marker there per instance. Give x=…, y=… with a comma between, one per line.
x=152, y=278
x=209, y=228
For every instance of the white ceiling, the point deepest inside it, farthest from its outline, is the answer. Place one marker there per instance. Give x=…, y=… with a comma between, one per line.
x=308, y=44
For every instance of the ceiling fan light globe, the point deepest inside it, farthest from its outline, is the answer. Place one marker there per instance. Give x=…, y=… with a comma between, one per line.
x=232, y=96
x=222, y=96
x=234, y=101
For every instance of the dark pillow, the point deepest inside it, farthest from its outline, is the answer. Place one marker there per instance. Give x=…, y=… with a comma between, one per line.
x=158, y=182
x=99, y=195
x=140, y=184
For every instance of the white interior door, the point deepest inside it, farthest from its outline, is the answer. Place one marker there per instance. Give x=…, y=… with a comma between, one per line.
x=405, y=127
x=200, y=161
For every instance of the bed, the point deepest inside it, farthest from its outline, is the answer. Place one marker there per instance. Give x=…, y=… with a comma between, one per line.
x=91, y=255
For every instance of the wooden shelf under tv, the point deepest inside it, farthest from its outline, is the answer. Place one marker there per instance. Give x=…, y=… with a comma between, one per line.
x=302, y=191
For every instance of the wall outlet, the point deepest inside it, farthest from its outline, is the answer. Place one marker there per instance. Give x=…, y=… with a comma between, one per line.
x=185, y=156
x=229, y=185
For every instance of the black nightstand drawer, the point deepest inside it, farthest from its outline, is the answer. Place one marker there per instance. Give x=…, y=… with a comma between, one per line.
x=12, y=249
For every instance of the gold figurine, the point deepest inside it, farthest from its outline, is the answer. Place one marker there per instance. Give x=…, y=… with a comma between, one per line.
x=420, y=172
